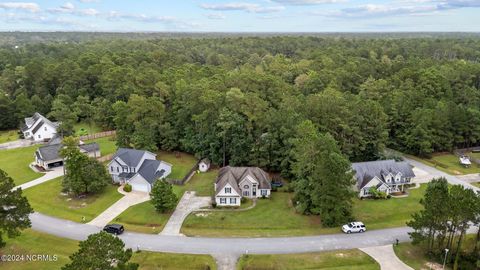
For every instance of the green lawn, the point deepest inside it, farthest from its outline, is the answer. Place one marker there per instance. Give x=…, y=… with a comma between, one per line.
x=32, y=242
x=47, y=199
x=143, y=218
x=8, y=135
x=84, y=128
x=276, y=217
x=107, y=145
x=449, y=163
x=15, y=162
x=202, y=183
x=181, y=163
x=334, y=260
x=477, y=184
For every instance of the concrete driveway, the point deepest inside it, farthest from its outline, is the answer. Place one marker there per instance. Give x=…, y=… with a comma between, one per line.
x=386, y=257
x=129, y=199
x=187, y=204
x=49, y=175
x=17, y=144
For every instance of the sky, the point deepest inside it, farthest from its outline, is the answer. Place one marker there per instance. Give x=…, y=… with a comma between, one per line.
x=241, y=16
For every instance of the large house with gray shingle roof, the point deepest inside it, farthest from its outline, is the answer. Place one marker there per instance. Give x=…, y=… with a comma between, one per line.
x=138, y=168
x=233, y=183
x=39, y=128
x=388, y=176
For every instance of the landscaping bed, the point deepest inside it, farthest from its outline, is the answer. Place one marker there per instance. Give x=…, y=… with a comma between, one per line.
x=15, y=162
x=143, y=218
x=47, y=199
x=276, y=217
x=338, y=260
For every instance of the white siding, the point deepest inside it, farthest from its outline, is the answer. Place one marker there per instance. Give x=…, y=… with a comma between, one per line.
x=139, y=184
x=228, y=201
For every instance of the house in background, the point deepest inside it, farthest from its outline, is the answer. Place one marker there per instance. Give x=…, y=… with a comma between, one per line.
x=204, y=165
x=39, y=128
x=138, y=168
x=48, y=156
x=386, y=176
x=233, y=183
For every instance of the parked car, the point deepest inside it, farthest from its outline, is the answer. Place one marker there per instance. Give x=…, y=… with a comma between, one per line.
x=277, y=184
x=354, y=227
x=114, y=229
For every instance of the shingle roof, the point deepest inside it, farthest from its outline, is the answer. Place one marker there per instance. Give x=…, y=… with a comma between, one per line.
x=29, y=121
x=149, y=170
x=131, y=157
x=233, y=176
x=366, y=171
x=90, y=147
x=50, y=152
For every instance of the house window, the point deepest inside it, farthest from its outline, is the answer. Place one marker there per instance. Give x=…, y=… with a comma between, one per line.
x=246, y=193
x=111, y=168
x=45, y=128
x=263, y=192
x=233, y=200
x=246, y=187
x=228, y=190
x=223, y=200
x=118, y=170
x=39, y=136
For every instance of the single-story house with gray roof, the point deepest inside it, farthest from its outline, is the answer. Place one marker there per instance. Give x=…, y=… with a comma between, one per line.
x=138, y=168
x=233, y=183
x=48, y=156
x=388, y=176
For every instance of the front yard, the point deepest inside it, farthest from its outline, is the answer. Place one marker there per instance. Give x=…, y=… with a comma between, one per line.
x=15, y=162
x=143, y=218
x=276, y=217
x=32, y=242
x=338, y=260
x=8, y=135
x=47, y=199
x=449, y=163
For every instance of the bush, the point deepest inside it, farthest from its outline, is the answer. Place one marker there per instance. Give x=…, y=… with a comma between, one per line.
x=274, y=189
x=243, y=200
x=127, y=188
x=214, y=204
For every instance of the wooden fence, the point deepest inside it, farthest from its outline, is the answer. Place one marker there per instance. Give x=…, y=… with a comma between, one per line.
x=98, y=135
x=105, y=158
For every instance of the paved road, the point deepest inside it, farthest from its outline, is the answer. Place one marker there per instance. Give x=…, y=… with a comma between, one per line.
x=437, y=173
x=386, y=257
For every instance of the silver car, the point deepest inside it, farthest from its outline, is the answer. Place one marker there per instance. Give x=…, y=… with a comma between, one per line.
x=354, y=227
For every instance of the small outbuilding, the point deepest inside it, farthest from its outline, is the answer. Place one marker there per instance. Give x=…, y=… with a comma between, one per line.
x=465, y=161
x=204, y=165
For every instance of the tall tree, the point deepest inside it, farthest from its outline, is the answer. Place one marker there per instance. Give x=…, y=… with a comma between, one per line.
x=14, y=209
x=163, y=198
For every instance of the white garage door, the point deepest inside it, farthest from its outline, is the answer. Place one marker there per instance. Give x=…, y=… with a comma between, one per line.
x=140, y=187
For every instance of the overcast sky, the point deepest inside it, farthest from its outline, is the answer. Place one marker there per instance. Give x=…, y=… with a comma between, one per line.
x=241, y=16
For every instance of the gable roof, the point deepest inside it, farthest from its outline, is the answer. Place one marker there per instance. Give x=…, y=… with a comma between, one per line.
x=30, y=121
x=52, y=151
x=233, y=176
x=150, y=170
x=131, y=157
x=366, y=171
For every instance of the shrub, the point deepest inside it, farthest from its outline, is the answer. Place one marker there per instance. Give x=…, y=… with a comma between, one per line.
x=127, y=188
x=214, y=204
x=274, y=189
x=243, y=200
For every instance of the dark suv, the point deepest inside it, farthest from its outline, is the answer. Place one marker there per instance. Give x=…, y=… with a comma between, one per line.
x=114, y=229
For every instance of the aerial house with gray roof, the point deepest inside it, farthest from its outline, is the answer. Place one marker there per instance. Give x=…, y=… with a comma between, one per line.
x=233, y=183
x=39, y=128
x=388, y=176
x=138, y=168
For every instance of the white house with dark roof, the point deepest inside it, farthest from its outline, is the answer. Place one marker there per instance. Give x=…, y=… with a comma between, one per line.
x=39, y=128
x=388, y=176
x=233, y=183
x=138, y=168
x=48, y=156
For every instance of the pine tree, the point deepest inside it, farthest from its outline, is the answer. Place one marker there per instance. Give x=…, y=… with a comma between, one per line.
x=163, y=198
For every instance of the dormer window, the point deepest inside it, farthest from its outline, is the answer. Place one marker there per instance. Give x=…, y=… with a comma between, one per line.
x=228, y=190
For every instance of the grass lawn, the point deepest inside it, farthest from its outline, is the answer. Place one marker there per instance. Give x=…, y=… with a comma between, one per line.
x=276, y=217
x=449, y=163
x=15, y=162
x=338, y=260
x=171, y=261
x=143, y=218
x=32, y=242
x=58, y=205
x=84, y=128
x=107, y=145
x=181, y=163
x=8, y=135
x=202, y=183
x=477, y=184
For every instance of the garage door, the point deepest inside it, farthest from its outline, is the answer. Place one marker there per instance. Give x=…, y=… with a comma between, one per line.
x=140, y=187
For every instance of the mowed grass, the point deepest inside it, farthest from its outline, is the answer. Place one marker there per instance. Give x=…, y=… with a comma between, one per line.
x=171, y=261
x=46, y=198
x=87, y=127
x=201, y=183
x=477, y=184
x=8, y=135
x=107, y=145
x=449, y=163
x=143, y=218
x=32, y=242
x=15, y=163
x=339, y=260
x=181, y=164
x=276, y=217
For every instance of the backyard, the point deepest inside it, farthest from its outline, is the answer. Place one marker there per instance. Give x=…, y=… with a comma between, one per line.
x=8, y=135
x=63, y=206
x=15, y=162
x=182, y=163
x=450, y=163
x=84, y=128
x=276, y=217
x=107, y=145
x=338, y=260
x=32, y=242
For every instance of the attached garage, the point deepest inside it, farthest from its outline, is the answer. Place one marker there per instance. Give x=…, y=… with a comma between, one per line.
x=139, y=184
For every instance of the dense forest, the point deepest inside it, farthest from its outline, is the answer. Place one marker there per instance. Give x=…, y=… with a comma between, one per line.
x=238, y=100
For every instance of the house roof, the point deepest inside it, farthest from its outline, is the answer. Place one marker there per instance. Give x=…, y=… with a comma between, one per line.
x=150, y=170
x=206, y=161
x=366, y=171
x=57, y=139
x=52, y=151
x=29, y=121
x=131, y=157
x=89, y=147
x=234, y=175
